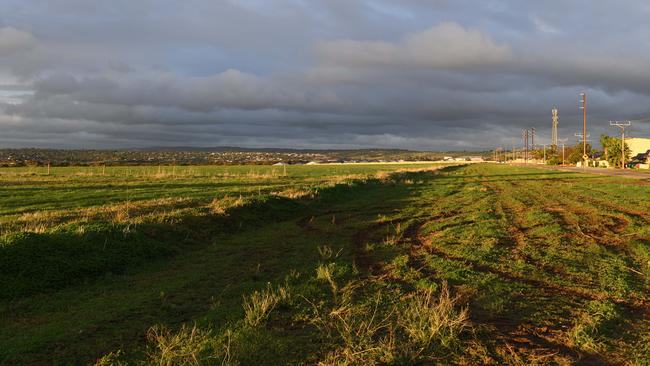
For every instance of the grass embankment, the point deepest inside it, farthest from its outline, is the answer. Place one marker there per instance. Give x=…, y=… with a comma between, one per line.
x=470, y=265
x=81, y=223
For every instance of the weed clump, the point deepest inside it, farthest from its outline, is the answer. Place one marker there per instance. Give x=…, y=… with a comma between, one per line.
x=365, y=334
x=432, y=323
x=393, y=329
x=325, y=272
x=259, y=305
x=188, y=346
x=586, y=328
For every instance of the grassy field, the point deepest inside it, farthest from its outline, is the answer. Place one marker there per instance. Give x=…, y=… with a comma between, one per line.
x=331, y=265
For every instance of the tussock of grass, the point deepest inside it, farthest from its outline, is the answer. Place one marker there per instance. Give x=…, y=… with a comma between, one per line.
x=364, y=332
x=432, y=323
x=588, y=325
x=325, y=272
x=388, y=330
x=237, y=344
x=393, y=238
x=259, y=305
x=188, y=346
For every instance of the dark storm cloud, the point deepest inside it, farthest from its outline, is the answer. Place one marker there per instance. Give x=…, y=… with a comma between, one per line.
x=427, y=74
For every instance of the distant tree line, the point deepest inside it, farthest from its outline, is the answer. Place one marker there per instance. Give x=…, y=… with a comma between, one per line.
x=60, y=157
x=610, y=152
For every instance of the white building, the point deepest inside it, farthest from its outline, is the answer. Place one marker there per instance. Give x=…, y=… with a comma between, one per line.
x=637, y=145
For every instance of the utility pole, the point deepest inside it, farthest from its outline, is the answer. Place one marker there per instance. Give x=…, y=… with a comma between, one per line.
x=583, y=106
x=544, y=154
x=514, y=157
x=562, y=141
x=524, y=135
x=527, y=145
x=622, y=126
x=532, y=138
x=523, y=149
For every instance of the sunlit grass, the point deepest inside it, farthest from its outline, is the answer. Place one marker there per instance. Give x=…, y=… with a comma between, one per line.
x=479, y=264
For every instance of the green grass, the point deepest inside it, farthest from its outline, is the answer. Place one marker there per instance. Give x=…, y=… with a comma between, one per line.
x=480, y=264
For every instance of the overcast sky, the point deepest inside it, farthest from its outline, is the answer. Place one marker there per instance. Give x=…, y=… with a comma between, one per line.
x=416, y=74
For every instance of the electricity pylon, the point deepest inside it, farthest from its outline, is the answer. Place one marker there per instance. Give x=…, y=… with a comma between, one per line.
x=554, y=127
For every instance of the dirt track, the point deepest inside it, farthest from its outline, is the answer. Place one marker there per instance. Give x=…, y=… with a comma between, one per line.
x=630, y=173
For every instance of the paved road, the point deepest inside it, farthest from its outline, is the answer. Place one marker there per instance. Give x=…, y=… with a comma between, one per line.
x=630, y=173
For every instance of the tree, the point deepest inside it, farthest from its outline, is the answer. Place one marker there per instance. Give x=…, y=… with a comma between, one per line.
x=612, y=146
x=574, y=153
x=554, y=160
x=539, y=154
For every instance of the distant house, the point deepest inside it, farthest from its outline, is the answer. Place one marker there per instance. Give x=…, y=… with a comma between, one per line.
x=475, y=158
x=641, y=160
x=279, y=164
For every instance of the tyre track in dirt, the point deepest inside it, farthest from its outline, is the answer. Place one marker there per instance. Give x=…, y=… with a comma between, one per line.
x=514, y=217
x=601, y=232
x=517, y=232
x=525, y=334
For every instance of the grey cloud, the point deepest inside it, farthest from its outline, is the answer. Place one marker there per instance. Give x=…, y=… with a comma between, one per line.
x=416, y=73
x=14, y=41
x=447, y=45
x=229, y=89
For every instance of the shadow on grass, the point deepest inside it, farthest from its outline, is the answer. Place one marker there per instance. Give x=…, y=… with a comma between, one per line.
x=262, y=241
x=40, y=262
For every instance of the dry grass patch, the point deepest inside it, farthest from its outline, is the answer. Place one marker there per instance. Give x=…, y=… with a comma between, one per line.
x=294, y=193
x=219, y=206
x=188, y=346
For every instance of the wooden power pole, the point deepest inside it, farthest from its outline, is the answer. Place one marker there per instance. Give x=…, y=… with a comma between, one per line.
x=524, y=136
x=562, y=141
x=583, y=106
x=622, y=126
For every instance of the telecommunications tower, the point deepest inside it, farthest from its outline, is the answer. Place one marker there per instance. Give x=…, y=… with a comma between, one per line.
x=554, y=129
